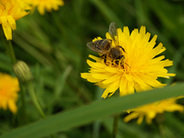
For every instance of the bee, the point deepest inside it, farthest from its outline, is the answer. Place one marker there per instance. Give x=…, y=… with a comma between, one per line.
x=104, y=46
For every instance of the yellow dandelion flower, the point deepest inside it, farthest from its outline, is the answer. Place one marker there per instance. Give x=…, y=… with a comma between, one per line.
x=46, y=5
x=9, y=87
x=151, y=110
x=138, y=70
x=10, y=11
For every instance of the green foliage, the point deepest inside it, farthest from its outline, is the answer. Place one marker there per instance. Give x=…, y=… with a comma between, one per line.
x=96, y=110
x=54, y=46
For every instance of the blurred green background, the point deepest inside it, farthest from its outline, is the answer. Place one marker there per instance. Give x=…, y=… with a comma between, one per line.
x=54, y=46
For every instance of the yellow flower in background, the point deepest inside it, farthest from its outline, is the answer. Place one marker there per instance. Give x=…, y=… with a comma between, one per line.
x=9, y=87
x=151, y=110
x=46, y=5
x=10, y=11
x=140, y=68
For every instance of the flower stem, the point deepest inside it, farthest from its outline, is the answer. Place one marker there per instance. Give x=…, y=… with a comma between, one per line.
x=35, y=99
x=22, y=98
x=115, y=126
x=11, y=52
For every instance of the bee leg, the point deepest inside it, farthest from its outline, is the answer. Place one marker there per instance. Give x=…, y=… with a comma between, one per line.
x=112, y=61
x=105, y=58
x=120, y=57
x=117, y=62
x=102, y=56
x=121, y=48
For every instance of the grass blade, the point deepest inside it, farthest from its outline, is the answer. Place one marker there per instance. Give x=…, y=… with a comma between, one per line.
x=88, y=113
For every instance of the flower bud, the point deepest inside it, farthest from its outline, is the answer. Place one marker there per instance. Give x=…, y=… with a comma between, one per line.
x=22, y=71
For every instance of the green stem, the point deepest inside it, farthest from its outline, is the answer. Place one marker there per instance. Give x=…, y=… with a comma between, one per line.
x=115, y=126
x=35, y=99
x=22, y=108
x=11, y=52
x=161, y=129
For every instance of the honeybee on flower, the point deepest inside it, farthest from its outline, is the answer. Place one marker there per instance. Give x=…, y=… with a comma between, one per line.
x=138, y=67
x=105, y=48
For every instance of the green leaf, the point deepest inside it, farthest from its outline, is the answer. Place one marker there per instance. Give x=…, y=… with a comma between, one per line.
x=106, y=11
x=88, y=113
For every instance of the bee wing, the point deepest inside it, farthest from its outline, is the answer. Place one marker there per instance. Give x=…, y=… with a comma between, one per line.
x=93, y=47
x=90, y=45
x=113, y=32
x=112, y=29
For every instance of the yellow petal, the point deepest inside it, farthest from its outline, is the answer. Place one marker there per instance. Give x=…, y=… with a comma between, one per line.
x=140, y=119
x=12, y=106
x=89, y=77
x=143, y=30
x=126, y=30
x=95, y=39
x=130, y=117
x=11, y=22
x=95, y=58
x=110, y=89
x=6, y=28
